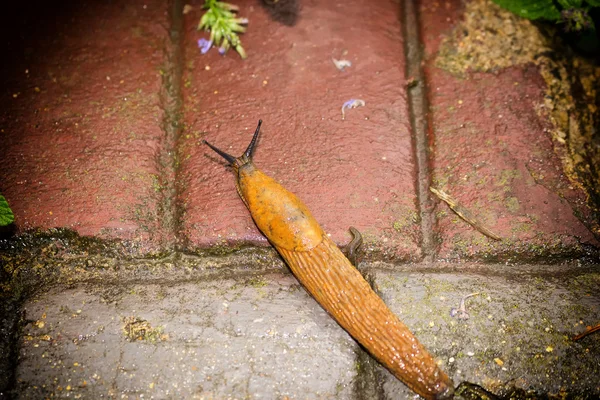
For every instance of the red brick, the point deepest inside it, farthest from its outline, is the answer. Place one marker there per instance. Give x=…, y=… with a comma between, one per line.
x=81, y=119
x=358, y=171
x=492, y=151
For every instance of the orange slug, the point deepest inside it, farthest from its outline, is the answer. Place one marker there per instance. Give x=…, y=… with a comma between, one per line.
x=332, y=280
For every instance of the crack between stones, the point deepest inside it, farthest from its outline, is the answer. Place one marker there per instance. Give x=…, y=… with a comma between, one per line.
x=170, y=209
x=369, y=381
x=12, y=322
x=418, y=108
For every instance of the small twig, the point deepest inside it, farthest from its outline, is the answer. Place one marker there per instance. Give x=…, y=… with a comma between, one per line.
x=464, y=213
x=584, y=334
x=461, y=311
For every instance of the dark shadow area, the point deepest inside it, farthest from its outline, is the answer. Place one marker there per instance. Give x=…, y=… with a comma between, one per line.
x=30, y=31
x=587, y=42
x=6, y=232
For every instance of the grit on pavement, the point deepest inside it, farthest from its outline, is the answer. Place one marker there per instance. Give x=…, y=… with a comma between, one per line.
x=134, y=270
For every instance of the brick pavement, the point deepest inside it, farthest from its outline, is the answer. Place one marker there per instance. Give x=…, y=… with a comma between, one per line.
x=103, y=111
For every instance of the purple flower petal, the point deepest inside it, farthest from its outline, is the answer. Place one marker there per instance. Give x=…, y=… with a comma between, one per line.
x=352, y=103
x=222, y=50
x=348, y=104
x=204, y=45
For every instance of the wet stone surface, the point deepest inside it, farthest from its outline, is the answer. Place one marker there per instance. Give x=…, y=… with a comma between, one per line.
x=519, y=331
x=263, y=338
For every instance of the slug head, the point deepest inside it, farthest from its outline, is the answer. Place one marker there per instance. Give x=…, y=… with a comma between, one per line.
x=278, y=213
x=246, y=158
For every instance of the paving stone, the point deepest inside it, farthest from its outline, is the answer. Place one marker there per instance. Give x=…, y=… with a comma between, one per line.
x=264, y=337
x=77, y=156
x=520, y=327
x=260, y=338
x=492, y=152
x=357, y=171
x=81, y=115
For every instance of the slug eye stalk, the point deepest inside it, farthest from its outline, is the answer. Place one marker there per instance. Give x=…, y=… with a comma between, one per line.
x=244, y=158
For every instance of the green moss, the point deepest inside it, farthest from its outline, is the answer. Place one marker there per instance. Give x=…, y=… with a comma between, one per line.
x=512, y=204
x=551, y=249
x=139, y=329
x=506, y=177
x=156, y=185
x=257, y=282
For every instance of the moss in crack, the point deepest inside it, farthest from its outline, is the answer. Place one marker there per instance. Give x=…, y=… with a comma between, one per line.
x=554, y=249
x=222, y=249
x=512, y=205
x=572, y=102
x=38, y=260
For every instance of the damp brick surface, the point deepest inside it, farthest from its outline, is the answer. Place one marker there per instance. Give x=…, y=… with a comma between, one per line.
x=134, y=270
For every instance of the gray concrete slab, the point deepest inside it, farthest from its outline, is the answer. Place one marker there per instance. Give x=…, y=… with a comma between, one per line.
x=519, y=330
x=264, y=337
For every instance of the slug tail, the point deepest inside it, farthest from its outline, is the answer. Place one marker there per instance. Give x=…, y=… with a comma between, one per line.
x=340, y=288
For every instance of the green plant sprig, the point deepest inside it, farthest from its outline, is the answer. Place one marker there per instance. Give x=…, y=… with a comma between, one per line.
x=572, y=13
x=6, y=215
x=224, y=25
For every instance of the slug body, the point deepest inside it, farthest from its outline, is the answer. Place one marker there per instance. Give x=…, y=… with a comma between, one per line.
x=333, y=281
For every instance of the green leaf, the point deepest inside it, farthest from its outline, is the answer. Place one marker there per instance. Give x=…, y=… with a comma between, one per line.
x=241, y=51
x=217, y=35
x=238, y=28
x=6, y=215
x=566, y=4
x=531, y=9
x=227, y=6
x=593, y=3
